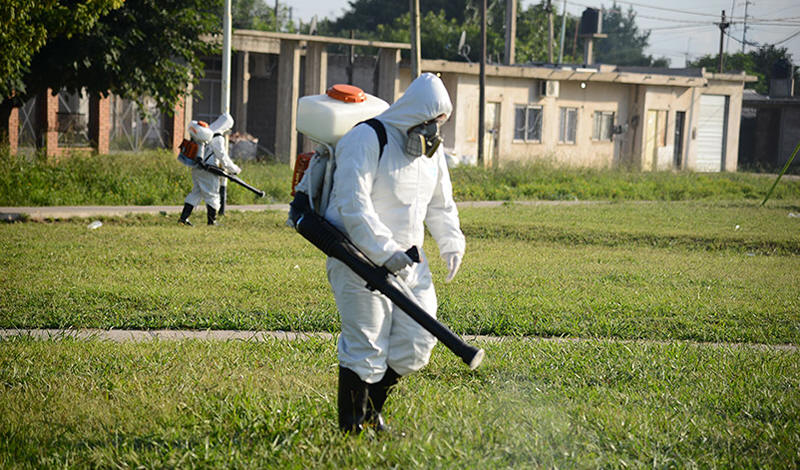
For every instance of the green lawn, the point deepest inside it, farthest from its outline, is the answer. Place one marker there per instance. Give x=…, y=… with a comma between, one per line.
x=533, y=404
x=624, y=270
x=640, y=283
x=156, y=178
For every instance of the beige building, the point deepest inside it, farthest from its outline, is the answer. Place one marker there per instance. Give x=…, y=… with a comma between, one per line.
x=605, y=116
x=596, y=117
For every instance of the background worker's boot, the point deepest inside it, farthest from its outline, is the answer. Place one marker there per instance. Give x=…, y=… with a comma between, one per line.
x=211, y=215
x=187, y=211
x=223, y=190
x=352, y=401
x=377, y=397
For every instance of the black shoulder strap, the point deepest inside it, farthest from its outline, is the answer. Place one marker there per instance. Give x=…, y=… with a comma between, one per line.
x=377, y=126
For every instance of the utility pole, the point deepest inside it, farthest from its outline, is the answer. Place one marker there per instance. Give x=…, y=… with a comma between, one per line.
x=225, y=102
x=276, y=17
x=549, y=10
x=723, y=25
x=563, y=29
x=511, y=31
x=482, y=85
x=416, y=56
x=728, y=39
x=744, y=32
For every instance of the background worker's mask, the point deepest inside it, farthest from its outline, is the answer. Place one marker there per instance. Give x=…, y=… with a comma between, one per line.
x=423, y=139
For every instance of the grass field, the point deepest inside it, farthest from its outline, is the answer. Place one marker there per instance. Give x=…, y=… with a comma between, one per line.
x=624, y=270
x=630, y=292
x=533, y=404
x=156, y=178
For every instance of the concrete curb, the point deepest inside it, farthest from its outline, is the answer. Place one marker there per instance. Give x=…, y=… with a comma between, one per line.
x=14, y=214
x=121, y=336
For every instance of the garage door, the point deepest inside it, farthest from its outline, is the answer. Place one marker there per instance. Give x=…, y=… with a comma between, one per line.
x=711, y=135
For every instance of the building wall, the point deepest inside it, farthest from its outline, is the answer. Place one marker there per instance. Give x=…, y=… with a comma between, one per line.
x=733, y=91
x=666, y=102
x=461, y=131
x=790, y=134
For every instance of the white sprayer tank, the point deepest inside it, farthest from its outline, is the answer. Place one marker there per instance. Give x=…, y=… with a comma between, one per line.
x=326, y=118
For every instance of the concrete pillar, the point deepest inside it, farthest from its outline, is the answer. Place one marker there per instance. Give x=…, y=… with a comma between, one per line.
x=288, y=90
x=316, y=78
x=13, y=130
x=388, y=69
x=316, y=69
x=174, y=125
x=242, y=90
x=100, y=123
x=47, y=122
x=511, y=32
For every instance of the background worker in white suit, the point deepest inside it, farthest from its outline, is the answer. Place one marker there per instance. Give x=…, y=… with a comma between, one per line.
x=213, y=151
x=383, y=201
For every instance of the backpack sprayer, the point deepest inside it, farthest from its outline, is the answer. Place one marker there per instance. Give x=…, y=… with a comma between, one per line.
x=325, y=119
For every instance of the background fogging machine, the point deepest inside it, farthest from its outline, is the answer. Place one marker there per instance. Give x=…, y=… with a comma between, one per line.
x=335, y=244
x=220, y=172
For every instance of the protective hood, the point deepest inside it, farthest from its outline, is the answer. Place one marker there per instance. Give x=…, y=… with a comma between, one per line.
x=221, y=124
x=425, y=99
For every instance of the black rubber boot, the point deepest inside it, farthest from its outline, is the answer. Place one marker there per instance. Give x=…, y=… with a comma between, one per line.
x=187, y=211
x=377, y=397
x=211, y=215
x=223, y=196
x=352, y=401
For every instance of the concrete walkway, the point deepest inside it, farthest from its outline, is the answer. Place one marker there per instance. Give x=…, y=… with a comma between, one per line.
x=11, y=214
x=120, y=336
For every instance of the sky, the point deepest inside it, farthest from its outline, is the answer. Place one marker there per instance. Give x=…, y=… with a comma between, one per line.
x=679, y=29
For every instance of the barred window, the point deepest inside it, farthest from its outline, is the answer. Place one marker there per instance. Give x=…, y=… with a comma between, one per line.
x=603, y=125
x=528, y=123
x=568, y=125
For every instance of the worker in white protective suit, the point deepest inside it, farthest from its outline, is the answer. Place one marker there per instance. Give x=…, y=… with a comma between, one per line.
x=213, y=151
x=381, y=201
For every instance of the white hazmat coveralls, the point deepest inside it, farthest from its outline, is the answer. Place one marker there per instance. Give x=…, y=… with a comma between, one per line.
x=205, y=184
x=381, y=206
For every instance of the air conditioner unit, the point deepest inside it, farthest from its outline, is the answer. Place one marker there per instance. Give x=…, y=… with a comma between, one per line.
x=549, y=88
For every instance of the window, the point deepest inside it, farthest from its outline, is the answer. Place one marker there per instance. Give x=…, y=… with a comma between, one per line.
x=603, y=125
x=568, y=125
x=528, y=123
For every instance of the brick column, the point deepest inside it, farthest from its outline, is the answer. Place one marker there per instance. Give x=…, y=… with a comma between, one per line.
x=47, y=122
x=174, y=125
x=100, y=123
x=13, y=130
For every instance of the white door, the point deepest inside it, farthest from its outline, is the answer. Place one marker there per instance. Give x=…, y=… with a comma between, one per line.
x=491, y=126
x=711, y=125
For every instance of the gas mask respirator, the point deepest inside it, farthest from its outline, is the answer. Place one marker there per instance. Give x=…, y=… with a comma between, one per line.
x=423, y=139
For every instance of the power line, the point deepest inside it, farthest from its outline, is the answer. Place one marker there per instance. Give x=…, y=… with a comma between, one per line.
x=672, y=10
x=784, y=40
x=686, y=12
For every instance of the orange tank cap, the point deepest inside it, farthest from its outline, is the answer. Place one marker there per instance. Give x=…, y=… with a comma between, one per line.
x=347, y=93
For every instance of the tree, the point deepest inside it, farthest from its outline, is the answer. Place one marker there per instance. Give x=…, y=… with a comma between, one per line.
x=145, y=48
x=625, y=43
x=256, y=14
x=758, y=62
x=442, y=23
x=27, y=27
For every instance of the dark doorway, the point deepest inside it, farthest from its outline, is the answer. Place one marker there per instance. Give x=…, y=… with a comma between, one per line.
x=680, y=118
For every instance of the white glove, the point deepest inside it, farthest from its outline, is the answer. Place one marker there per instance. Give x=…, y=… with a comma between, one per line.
x=453, y=262
x=397, y=262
